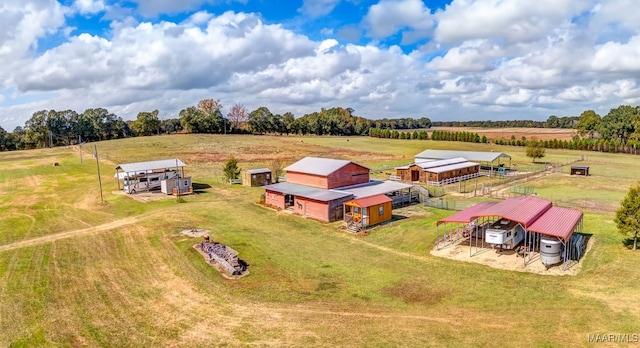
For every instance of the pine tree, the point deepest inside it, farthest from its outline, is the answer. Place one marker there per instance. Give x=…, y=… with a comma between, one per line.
x=231, y=170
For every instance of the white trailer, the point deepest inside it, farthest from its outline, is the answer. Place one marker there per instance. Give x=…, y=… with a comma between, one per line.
x=505, y=233
x=148, y=181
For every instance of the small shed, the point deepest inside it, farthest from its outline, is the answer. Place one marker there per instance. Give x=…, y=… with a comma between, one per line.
x=176, y=186
x=580, y=170
x=364, y=212
x=256, y=177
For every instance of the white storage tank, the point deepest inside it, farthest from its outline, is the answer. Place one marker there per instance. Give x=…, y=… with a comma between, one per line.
x=550, y=251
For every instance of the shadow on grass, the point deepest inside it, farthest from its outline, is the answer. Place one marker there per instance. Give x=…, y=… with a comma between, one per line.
x=628, y=243
x=199, y=188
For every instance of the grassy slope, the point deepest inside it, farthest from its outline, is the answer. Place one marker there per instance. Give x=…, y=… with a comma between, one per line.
x=310, y=283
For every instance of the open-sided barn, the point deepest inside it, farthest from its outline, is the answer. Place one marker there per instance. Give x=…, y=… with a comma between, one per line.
x=439, y=172
x=488, y=160
x=145, y=176
x=545, y=230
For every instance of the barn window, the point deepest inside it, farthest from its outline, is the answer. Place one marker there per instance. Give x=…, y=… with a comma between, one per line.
x=253, y=176
x=268, y=175
x=381, y=210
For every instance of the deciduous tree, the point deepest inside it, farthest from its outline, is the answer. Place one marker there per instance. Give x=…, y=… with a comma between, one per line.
x=535, y=149
x=628, y=215
x=238, y=116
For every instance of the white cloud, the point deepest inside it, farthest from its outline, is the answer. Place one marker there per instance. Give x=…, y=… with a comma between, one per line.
x=618, y=57
x=470, y=56
x=390, y=16
x=509, y=20
x=317, y=8
x=486, y=59
x=24, y=22
x=89, y=6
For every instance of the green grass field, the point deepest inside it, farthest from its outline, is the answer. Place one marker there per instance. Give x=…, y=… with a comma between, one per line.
x=118, y=273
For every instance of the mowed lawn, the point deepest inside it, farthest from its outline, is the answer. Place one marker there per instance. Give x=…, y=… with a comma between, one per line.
x=118, y=273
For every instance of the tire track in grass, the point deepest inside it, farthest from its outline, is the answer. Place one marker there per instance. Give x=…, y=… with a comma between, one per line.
x=85, y=231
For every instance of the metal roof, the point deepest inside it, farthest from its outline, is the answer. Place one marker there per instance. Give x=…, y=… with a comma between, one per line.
x=318, y=166
x=450, y=167
x=524, y=209
x=374, y=187
x=307, y=191
x=557, y=222
x=150, y=165
x=466, y=215
x=468, y=155
x=431, y=164
x=535, y=214
x=258, y=171
x=370, y=201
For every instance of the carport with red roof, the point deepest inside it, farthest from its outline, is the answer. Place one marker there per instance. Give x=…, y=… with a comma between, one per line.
x=537, y=217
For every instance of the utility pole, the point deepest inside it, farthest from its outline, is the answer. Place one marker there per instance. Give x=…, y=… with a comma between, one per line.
x=95, y=154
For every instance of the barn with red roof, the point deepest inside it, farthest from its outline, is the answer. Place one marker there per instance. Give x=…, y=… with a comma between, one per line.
x=546, y=230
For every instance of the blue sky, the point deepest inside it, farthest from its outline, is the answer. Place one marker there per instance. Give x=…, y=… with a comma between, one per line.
x=447, y=60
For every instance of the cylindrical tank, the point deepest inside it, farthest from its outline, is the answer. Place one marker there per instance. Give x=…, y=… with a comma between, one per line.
x=550, y=251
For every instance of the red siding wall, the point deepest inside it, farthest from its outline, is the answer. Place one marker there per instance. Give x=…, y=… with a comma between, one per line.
x=274, y=198
x=351, y=174
x=312, y=209
x=307, y=179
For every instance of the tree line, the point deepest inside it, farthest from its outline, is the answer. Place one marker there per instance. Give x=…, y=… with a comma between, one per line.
x=61, y=128
x=552, y=121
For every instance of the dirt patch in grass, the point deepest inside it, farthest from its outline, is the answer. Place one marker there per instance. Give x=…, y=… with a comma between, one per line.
x=288, y=153
x=416, y=293
x=144, y=197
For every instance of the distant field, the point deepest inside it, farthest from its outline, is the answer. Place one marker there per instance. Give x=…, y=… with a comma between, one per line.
x=506, y=133
x=77, y=272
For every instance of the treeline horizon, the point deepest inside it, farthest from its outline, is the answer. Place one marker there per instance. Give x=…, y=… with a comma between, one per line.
x=616, y=132
x=565, y=122
x=619, y=128
x=48, y=128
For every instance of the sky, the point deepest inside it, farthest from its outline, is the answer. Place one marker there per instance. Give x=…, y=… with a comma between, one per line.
x=446, y=60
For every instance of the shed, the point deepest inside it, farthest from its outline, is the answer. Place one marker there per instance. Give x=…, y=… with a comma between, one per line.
x=580, y=170
x=176, y=186
x=364, y=212
x=256, y=177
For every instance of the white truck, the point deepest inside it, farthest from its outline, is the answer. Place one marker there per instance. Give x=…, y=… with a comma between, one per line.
x=148, y=181
x=504, y=233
